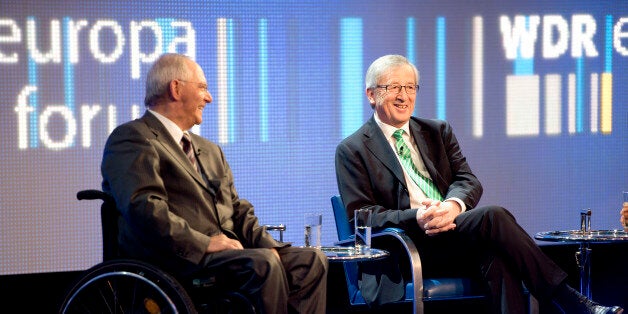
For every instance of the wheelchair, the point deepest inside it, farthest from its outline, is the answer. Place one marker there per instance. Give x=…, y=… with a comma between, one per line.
x=120, y=285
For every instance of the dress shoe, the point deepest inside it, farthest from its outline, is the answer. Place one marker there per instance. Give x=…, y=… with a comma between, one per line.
x=573, y=302
x=595, y=308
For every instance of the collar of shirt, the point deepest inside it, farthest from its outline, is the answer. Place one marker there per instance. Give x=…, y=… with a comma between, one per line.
x=172, y=127
x=388, y=131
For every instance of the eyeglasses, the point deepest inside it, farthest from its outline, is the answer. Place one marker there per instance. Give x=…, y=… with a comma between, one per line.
x=200, y=85
x=396, y=88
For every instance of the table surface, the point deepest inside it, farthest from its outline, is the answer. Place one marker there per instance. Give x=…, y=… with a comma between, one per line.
x=348, y=253
x=598, y=236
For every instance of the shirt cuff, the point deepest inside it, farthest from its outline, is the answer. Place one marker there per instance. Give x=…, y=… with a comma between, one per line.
x=419, y=211
x=463, y=207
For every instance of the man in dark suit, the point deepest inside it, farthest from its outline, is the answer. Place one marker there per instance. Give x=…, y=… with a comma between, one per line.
x=182, y=212
x=410, y=172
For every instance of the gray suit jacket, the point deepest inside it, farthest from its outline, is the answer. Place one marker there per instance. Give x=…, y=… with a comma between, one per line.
x=169, y=209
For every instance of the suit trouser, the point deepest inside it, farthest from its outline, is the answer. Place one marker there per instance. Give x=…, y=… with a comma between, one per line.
x=487, y=243
x=296, y=283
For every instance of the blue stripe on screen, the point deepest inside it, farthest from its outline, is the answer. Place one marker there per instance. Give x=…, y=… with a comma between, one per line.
x=410, y=35
x=263, y=79
x=231, y=80
x=608, y=45
x=68, y=68
x=32, y=98
x=441, y=68
x=523, y=66
x=167, y=32
x=351, y=81
x=579, y=93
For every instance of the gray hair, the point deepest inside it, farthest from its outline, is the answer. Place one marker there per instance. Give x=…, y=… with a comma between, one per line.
x=168, y=67
x=383, y=64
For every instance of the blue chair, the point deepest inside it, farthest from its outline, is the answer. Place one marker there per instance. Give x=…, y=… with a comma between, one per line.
x=419, y=290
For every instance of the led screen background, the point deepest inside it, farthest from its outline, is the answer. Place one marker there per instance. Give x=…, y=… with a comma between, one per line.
x=536, y=92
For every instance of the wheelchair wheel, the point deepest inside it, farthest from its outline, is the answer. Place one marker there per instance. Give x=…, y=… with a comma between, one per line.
x=127, y=286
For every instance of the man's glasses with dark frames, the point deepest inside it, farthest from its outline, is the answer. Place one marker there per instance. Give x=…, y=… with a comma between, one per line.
x=396, y=88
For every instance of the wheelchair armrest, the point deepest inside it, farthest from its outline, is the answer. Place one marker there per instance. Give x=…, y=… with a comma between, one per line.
x=93, y=195
x=281, y=228
x=108, y=219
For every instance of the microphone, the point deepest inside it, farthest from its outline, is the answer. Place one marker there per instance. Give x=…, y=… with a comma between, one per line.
x=198, y=152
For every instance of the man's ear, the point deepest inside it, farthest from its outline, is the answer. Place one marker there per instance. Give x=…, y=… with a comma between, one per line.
x=174, y=89
x=370, y=95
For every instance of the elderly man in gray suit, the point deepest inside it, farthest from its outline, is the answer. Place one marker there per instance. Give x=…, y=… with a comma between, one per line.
x=180, y=209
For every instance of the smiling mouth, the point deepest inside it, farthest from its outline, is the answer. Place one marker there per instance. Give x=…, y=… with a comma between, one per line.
x=401, y=106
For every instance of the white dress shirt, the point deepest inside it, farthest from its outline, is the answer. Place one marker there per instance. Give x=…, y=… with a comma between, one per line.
x=416, y=194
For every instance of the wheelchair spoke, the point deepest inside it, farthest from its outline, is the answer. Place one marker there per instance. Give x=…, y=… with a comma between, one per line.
x=120, y=293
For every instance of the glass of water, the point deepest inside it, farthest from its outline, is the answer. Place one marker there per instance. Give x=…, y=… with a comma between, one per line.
x=363, y=225
x=313, y=228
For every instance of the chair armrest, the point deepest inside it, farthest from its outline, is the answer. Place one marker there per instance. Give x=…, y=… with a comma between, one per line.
x=413, y=256
x=379, y=239
x=346, y=242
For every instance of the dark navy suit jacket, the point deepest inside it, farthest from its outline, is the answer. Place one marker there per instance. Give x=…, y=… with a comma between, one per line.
x=370, y=176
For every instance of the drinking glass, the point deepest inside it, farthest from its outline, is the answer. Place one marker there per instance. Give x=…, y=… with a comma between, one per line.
x=313, y=228
x=363, y=224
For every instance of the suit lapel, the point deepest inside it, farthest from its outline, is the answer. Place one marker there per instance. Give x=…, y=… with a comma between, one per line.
x=420, y=138
x=377, y=143
x=173, y=148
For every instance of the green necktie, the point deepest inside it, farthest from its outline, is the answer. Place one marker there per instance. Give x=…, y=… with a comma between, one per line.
x=425, y=184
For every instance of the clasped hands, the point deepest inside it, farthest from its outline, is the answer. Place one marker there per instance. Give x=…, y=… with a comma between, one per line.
x=437, y=216
x=624, y=217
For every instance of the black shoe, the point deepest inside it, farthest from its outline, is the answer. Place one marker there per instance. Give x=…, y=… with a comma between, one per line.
x=572, y=301
x=595, y=308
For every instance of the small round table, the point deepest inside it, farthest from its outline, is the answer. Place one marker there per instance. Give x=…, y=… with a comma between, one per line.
x=584, y=238
x=349, y=254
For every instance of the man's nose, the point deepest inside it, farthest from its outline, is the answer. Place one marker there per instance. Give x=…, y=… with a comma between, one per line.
x=402, y=94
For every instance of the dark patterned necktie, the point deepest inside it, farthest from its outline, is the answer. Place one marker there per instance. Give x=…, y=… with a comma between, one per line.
x=425, y=184
x=186, y=144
